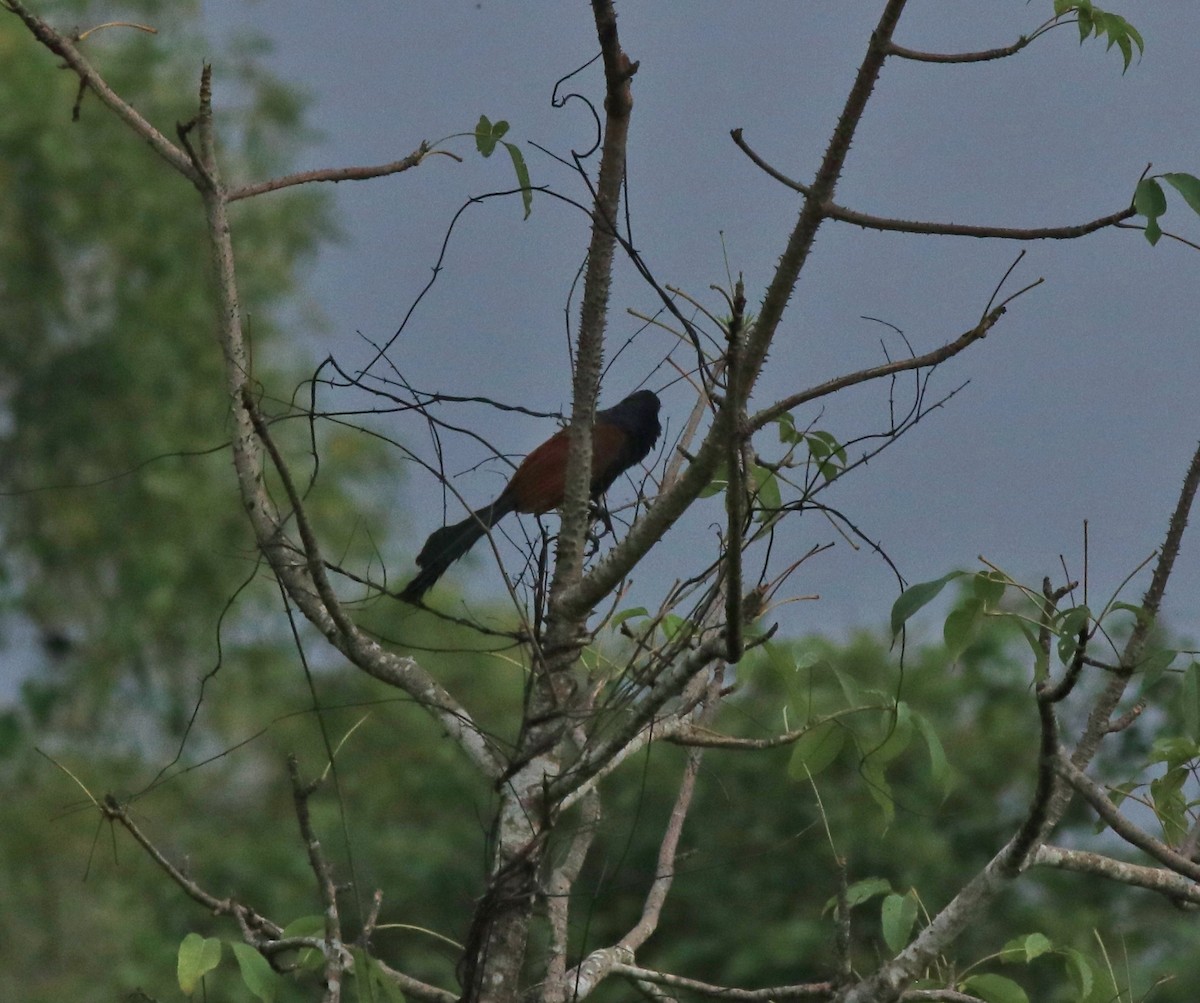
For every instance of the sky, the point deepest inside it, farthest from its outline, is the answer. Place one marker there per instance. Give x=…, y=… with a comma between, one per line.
x=1080, y=405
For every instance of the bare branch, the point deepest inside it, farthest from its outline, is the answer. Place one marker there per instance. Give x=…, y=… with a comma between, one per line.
x=246, y=917
x=336, y=957
x=832, y=210
x=312, y=552
x=665, y=872
x=806, y=991
x=1100, y=718
x=640, y=726
x=61, y=46
x=336, y=174
x=933, y=358
x=1156, y=879
x=558, y=899
x=695, y=736
x=982, y=56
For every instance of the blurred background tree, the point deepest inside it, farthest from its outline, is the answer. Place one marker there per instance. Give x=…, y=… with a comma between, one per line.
x=121, y=538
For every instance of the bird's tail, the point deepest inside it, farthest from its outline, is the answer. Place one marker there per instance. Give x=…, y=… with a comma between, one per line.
x=448, y=544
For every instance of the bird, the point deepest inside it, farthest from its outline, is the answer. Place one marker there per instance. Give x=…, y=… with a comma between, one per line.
x=622, y=435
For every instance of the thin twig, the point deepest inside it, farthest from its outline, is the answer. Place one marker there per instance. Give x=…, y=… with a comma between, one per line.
x=246, y=917
x=868, y=221
x=665, y=871
x=804, y=991
x=336, y=174
x=336, y=957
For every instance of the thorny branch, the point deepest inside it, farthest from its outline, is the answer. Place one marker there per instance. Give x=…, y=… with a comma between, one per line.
x=336, y=961
x=336, y=174
x=870, y=222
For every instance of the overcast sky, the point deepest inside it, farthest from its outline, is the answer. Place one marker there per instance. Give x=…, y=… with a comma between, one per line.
x=1080, y=404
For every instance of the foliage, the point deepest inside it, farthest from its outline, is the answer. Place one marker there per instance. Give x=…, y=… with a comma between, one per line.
x=123, y=537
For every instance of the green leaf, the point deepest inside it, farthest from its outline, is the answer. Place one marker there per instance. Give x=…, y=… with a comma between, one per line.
x=1149, y=198
x=1025, y=949
x=373, y=984
x=872, y=770
x=1120, y=33
x=939, y=765
x=719, y=482
x=1070, y=623
x=306, y=926
x=897, y=736
x=961, y=627
x=671, y=625
x=766, y=489
x=828, y=454
x=916, y=596
x=1188, y=186
x=897, y=916
x=1139, y=612
x=1041, y=661
x=815, y=750
x=1136, y=35
x=1086, y=24
x=994, y=989
x=1174, y=751
x=989, y=587
x=485, y=141
x=1080, y=971
x=1155, y=665
x=627, y=614
x=257, y=974
x=1169, y=804
x=197, y=957
x=787, y=428
x=859, y=892
x=1190, y=698
x=519, y=165
x=1150, y=201
x=487, y=134
x=1122, y=41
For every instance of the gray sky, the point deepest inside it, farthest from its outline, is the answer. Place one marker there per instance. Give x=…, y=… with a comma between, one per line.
x=1081, y=403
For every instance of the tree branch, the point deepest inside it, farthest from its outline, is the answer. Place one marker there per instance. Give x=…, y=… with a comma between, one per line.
x=337, y=958
x=665, y=871
x=697, y=737
x=1156, y=879
x=61, y=46
x=1095, y=795
x=982, y=56
x=558, y=900
x=871, y=222
x=336, y=174
x=1100, y=719
x=932, y=358
x=593, y=313
x=805, y=991
x=246, y=917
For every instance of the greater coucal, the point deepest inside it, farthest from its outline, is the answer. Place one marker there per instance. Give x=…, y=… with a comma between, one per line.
x=621, y=436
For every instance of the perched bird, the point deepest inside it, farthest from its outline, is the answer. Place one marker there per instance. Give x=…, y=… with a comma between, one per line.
x=621, y=436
